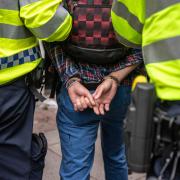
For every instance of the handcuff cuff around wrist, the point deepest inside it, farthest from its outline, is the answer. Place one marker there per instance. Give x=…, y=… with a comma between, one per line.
x=115, y=79
x=71, y=81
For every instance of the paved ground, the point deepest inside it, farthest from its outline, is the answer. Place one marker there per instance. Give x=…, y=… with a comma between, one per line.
x=45, y=122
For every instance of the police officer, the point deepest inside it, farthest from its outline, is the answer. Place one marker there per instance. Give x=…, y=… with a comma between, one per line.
x=154, y=25
x=21, y=23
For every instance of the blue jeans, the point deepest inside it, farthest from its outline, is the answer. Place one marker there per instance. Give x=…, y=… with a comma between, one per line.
x=78, y=133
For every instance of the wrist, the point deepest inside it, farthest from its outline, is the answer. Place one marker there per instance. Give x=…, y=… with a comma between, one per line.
x=114, y=78
x=71, y=81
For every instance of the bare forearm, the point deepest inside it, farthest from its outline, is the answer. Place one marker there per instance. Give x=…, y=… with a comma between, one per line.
x=121, y=74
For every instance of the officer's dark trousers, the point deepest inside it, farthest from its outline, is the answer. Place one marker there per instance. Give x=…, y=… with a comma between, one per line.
x=16, y=119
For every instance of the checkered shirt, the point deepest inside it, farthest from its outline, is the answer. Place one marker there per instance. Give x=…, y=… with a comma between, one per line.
x=92, y=73
x=92, y=26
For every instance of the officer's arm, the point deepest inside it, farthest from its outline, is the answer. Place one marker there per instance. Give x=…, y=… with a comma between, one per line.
x=46, y=19
x=128, y=19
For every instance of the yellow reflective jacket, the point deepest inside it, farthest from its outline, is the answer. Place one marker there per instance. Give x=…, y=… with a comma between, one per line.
x=154, y=25
x=22, y=22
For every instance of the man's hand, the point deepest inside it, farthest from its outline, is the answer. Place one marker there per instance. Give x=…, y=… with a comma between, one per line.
x=80, y=97
x=103, y=96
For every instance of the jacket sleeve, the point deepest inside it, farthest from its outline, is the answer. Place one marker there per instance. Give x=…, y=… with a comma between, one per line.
x=65, y=66
x=48, y=20
x=128, y=18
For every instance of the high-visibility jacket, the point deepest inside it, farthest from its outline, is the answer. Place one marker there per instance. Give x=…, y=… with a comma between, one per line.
x=22, y=22
x=154, y=25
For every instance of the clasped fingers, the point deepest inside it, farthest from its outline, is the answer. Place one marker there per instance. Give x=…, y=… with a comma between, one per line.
x=82, y=103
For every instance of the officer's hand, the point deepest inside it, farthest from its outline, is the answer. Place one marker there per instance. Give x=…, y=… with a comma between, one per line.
x=80, y=97
x=103, y=96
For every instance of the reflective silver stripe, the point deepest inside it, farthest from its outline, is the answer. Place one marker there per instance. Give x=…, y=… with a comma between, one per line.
x=26, y=2
x=23, y=57
x=14, y=32
x=9, y=4
x=51, y=26
x=154, y=6
x=163, y=50
x=121, y=10
x=126, y=42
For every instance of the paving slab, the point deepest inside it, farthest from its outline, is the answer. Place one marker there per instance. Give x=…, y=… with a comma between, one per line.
x=137, y=176
x=51, y=170
x=52, y=137
x=56, y=148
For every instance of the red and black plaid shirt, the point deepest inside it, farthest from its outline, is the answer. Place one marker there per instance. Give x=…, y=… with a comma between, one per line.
x=92, y=27
x=92, y=73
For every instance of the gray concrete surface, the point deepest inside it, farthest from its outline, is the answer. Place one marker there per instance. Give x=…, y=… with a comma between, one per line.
x=45, y=122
